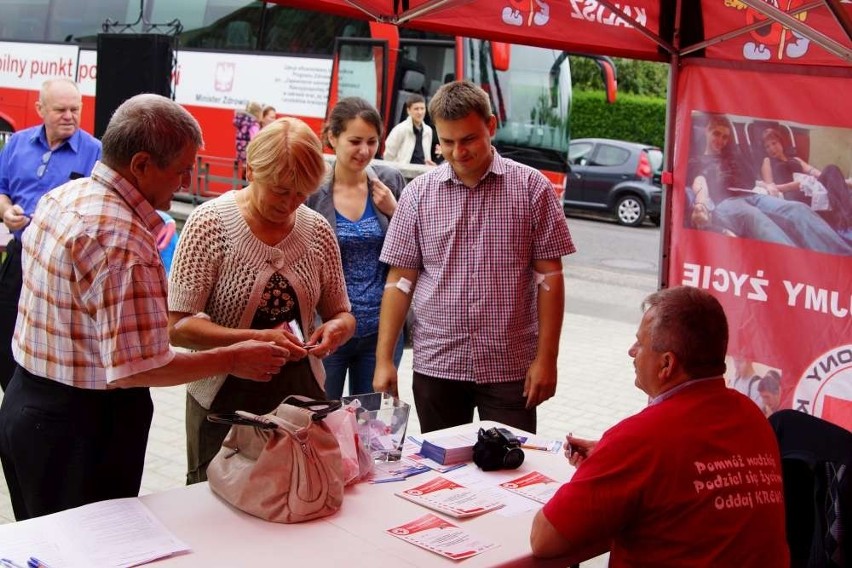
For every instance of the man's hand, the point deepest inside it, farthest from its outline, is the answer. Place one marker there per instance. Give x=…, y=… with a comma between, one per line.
x=701, y=216
x=256, y=360
x=577, y=450
x=14, y=218
x=540, y=382
x=385, y=379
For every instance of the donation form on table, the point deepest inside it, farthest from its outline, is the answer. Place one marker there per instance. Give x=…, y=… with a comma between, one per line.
x=118, y=532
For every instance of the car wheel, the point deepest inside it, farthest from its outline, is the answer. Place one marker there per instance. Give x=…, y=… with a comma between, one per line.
x=630, y=211
x=655, y=219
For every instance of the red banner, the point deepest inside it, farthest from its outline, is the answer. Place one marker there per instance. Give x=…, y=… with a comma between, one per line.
x=762, y=217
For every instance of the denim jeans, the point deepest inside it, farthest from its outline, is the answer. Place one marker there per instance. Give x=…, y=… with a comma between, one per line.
x=776, y=220
x=357, y=357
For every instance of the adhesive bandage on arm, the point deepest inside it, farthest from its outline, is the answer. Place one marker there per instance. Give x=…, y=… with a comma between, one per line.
x=184, y=320
x=541, y=277
x=403, y=284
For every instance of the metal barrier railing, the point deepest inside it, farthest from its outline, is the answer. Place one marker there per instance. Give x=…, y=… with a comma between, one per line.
x=213, y=177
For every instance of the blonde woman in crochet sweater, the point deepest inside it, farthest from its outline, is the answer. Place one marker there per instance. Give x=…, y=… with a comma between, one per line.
x=248, y=263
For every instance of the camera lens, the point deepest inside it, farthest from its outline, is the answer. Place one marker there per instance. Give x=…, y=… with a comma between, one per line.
x=513, y=459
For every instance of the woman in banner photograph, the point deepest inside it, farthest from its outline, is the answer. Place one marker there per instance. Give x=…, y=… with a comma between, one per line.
x=358, y=199
x=783, y=174
x=257, y=264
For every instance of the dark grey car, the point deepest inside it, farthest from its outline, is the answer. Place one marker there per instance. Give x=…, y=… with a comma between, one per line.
x=616, y=176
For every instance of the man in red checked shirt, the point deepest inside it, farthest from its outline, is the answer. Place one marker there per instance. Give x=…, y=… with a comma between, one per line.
x=476, y=245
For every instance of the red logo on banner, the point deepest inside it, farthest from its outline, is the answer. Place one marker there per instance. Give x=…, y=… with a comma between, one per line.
x=825, y=389
x=773, y=41
x=526, y=13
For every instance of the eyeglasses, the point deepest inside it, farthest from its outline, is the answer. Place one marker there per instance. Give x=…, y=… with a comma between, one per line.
x=45, y=158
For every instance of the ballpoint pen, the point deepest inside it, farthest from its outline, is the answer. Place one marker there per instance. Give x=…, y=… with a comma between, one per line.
x=34, y=562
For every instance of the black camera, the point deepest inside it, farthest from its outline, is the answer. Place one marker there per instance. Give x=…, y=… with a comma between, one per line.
x=497, y=448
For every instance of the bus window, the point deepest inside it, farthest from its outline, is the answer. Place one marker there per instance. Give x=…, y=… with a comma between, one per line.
x=212, y=24
x=422, y=67
x=360, y=70
x=82, y=20
x=289, y=30
x=23, y=19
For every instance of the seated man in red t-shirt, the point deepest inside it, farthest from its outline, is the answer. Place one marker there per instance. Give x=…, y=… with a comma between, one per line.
x=692, y=480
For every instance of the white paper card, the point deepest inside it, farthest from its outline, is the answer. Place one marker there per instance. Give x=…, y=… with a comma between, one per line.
x=441, y=537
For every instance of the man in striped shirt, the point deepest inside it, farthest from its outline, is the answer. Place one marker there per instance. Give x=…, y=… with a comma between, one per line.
x=480, y=241
x=91, y=334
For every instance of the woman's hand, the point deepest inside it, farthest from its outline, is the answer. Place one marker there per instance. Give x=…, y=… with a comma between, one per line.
x=383, y=197
x=328, y=337
x=283, y=337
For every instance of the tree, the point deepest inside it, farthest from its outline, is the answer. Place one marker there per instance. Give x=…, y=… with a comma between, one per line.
x=634, y=76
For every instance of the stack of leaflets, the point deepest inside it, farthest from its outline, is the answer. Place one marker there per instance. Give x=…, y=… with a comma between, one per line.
x=440, y=468
x=449, y=449
x=446, y=496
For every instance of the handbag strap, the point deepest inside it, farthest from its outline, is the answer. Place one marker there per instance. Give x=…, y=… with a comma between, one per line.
x=319, y=408
x=241, y=419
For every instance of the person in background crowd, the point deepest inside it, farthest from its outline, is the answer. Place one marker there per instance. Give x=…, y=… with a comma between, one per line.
x=247, y=122
x=257, y=264
x=358, y=200
x=769, y=389
x=479, y=242
x=746, y=379
x=692, y=480
x=268, y=115
x=167, y=240
x=75, y=418
x=410, y=141
x=33, y=162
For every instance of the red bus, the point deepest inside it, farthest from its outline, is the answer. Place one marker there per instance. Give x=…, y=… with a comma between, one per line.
x=299, y=61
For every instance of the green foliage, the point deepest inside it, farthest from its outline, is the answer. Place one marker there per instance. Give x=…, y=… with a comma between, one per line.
x=634, y=76
x=639, y=113
x=634, y=118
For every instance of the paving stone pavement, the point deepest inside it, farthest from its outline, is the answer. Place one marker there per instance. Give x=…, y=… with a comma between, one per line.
x=595, y=391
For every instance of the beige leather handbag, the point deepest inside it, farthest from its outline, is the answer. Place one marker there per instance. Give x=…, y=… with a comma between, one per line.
x=284, y=466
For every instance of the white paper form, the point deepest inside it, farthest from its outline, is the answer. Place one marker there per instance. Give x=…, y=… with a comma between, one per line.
x=488, y=485
x=117, y=533
x=120, y=532
x=441, y=537
x=534, y=485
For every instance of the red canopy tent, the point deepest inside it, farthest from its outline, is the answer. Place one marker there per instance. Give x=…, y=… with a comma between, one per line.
x=780, y=64
x=656, y=30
